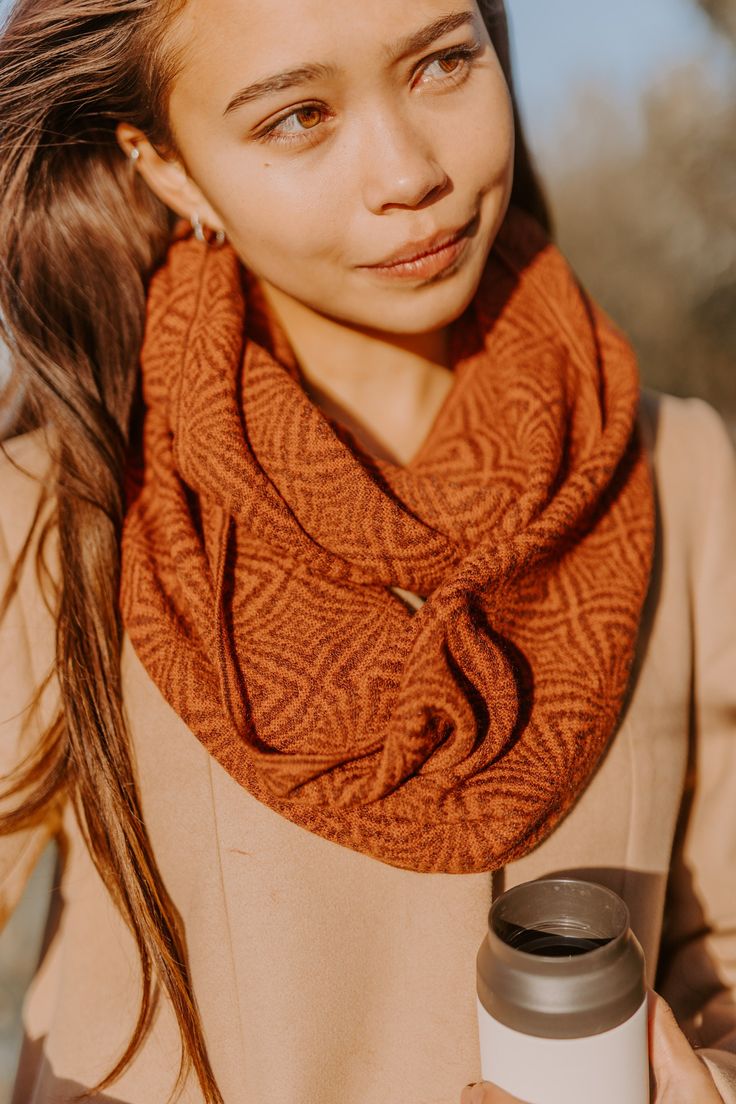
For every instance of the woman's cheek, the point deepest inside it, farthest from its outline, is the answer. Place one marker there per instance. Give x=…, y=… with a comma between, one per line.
x=284, y=215
x=487, y=148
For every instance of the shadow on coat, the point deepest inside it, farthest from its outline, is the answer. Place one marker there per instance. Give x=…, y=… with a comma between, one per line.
x=37, y=1082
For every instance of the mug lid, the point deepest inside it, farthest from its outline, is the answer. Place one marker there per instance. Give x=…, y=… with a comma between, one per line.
x=560, y=960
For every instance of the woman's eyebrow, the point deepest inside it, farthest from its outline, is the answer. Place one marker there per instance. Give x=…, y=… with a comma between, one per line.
x=424, y=37
x=303, y=74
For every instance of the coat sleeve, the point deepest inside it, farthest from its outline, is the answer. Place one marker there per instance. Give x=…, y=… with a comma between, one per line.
x=26, y=647
x=698, y=959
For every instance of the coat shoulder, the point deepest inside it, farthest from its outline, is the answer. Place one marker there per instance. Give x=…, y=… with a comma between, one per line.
x=688, y=430
x=25, y=469
x=28, y=566
x=693, y=460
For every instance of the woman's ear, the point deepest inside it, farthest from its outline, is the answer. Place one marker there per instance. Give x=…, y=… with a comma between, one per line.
x=166, y=178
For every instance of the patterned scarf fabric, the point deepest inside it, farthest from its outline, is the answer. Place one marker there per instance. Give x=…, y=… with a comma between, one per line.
x=261, y=548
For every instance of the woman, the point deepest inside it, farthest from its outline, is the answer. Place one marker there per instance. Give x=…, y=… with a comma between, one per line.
x=355, y=584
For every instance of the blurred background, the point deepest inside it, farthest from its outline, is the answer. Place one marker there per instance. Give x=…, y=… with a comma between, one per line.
x=630, y=112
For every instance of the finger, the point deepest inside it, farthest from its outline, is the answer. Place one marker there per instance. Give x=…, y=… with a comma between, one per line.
x=484, y=1092
x=668, y=1042
x=679, y=1074
x=473, y=1093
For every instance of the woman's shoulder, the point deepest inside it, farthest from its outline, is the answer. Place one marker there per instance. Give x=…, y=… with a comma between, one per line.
x=692, y=453
x=28, y=701
x=27, y=539
x=694, y=464
x=25, y=468
x=686, y=412
x=677, y=423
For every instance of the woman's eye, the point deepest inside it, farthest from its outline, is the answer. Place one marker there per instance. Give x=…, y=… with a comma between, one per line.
x=295, y=125
x=451, y=65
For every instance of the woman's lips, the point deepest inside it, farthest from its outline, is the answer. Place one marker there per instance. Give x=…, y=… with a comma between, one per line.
x=430, y=263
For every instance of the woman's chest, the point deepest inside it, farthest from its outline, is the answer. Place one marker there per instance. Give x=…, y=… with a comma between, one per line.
x=327, y=975
x=313, y=950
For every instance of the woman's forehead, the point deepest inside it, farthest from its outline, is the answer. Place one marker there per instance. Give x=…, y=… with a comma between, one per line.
x=260, y=38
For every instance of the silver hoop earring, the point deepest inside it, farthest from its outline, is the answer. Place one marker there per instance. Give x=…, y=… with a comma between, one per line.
x=197, y=228
x=200, y=235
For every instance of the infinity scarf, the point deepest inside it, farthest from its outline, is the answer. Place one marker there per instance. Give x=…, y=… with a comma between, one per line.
x=261, y=546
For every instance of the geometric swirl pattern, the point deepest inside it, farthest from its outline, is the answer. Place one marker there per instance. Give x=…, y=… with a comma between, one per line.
x=261, y=544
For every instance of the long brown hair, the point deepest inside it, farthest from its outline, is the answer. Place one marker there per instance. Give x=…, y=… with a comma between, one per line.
x=80, y=236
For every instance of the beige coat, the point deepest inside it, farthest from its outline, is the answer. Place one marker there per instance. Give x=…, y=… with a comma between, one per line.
x=326, y=977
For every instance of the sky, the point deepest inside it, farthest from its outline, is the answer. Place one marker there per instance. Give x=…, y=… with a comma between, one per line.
x=557, y=45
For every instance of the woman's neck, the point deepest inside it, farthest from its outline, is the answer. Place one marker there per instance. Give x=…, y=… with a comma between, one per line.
x=386, y=389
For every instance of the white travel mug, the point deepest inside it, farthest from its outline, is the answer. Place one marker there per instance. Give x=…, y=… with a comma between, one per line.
x=562, y=999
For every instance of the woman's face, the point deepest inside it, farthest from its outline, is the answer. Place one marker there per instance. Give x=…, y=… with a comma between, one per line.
x=329, y=135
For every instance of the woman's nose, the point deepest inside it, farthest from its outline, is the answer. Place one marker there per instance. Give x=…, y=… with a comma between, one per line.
x=400, y=167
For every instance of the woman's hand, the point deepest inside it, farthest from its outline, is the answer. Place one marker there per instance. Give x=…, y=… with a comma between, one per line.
x=680, y=1076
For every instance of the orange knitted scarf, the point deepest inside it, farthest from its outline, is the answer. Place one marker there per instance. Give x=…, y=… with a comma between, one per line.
x=259, y=554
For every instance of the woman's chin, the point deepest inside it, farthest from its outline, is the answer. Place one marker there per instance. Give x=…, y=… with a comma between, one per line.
x=429, y=308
